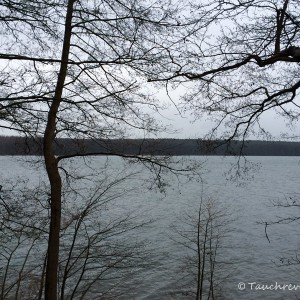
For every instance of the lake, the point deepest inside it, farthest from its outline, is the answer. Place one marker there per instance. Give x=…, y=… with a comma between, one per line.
x=250, y=256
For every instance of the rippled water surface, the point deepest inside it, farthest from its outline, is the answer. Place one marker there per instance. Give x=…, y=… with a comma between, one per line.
x=252, y=258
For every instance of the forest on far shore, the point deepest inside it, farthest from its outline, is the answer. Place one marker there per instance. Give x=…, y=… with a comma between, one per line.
x=12, y=145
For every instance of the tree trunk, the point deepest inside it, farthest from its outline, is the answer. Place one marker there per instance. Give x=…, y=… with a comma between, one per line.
x=52, y=166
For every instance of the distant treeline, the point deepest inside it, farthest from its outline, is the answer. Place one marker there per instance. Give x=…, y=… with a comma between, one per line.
x=11, y=145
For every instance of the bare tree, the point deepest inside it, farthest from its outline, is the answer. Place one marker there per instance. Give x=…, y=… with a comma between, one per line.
x=241, y=60
x=203, y=233
x=22, y=236
x=287, y=217
x=96, y=257
x=75, y=69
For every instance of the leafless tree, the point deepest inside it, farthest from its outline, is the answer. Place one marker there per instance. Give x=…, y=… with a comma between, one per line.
x=22, y=223
x=96, y=257
x=203, y=234
x=75, y=69
x=241, y=61
x=287, y=217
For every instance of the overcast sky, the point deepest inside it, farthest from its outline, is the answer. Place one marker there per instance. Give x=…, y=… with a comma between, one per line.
x=187, y=126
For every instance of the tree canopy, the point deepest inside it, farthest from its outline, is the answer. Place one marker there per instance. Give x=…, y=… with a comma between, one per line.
x=241, y=61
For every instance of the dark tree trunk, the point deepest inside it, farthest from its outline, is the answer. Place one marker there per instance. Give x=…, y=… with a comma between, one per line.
x=52, y=167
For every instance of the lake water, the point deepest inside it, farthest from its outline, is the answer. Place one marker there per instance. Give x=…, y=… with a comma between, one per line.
x=250, y=257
